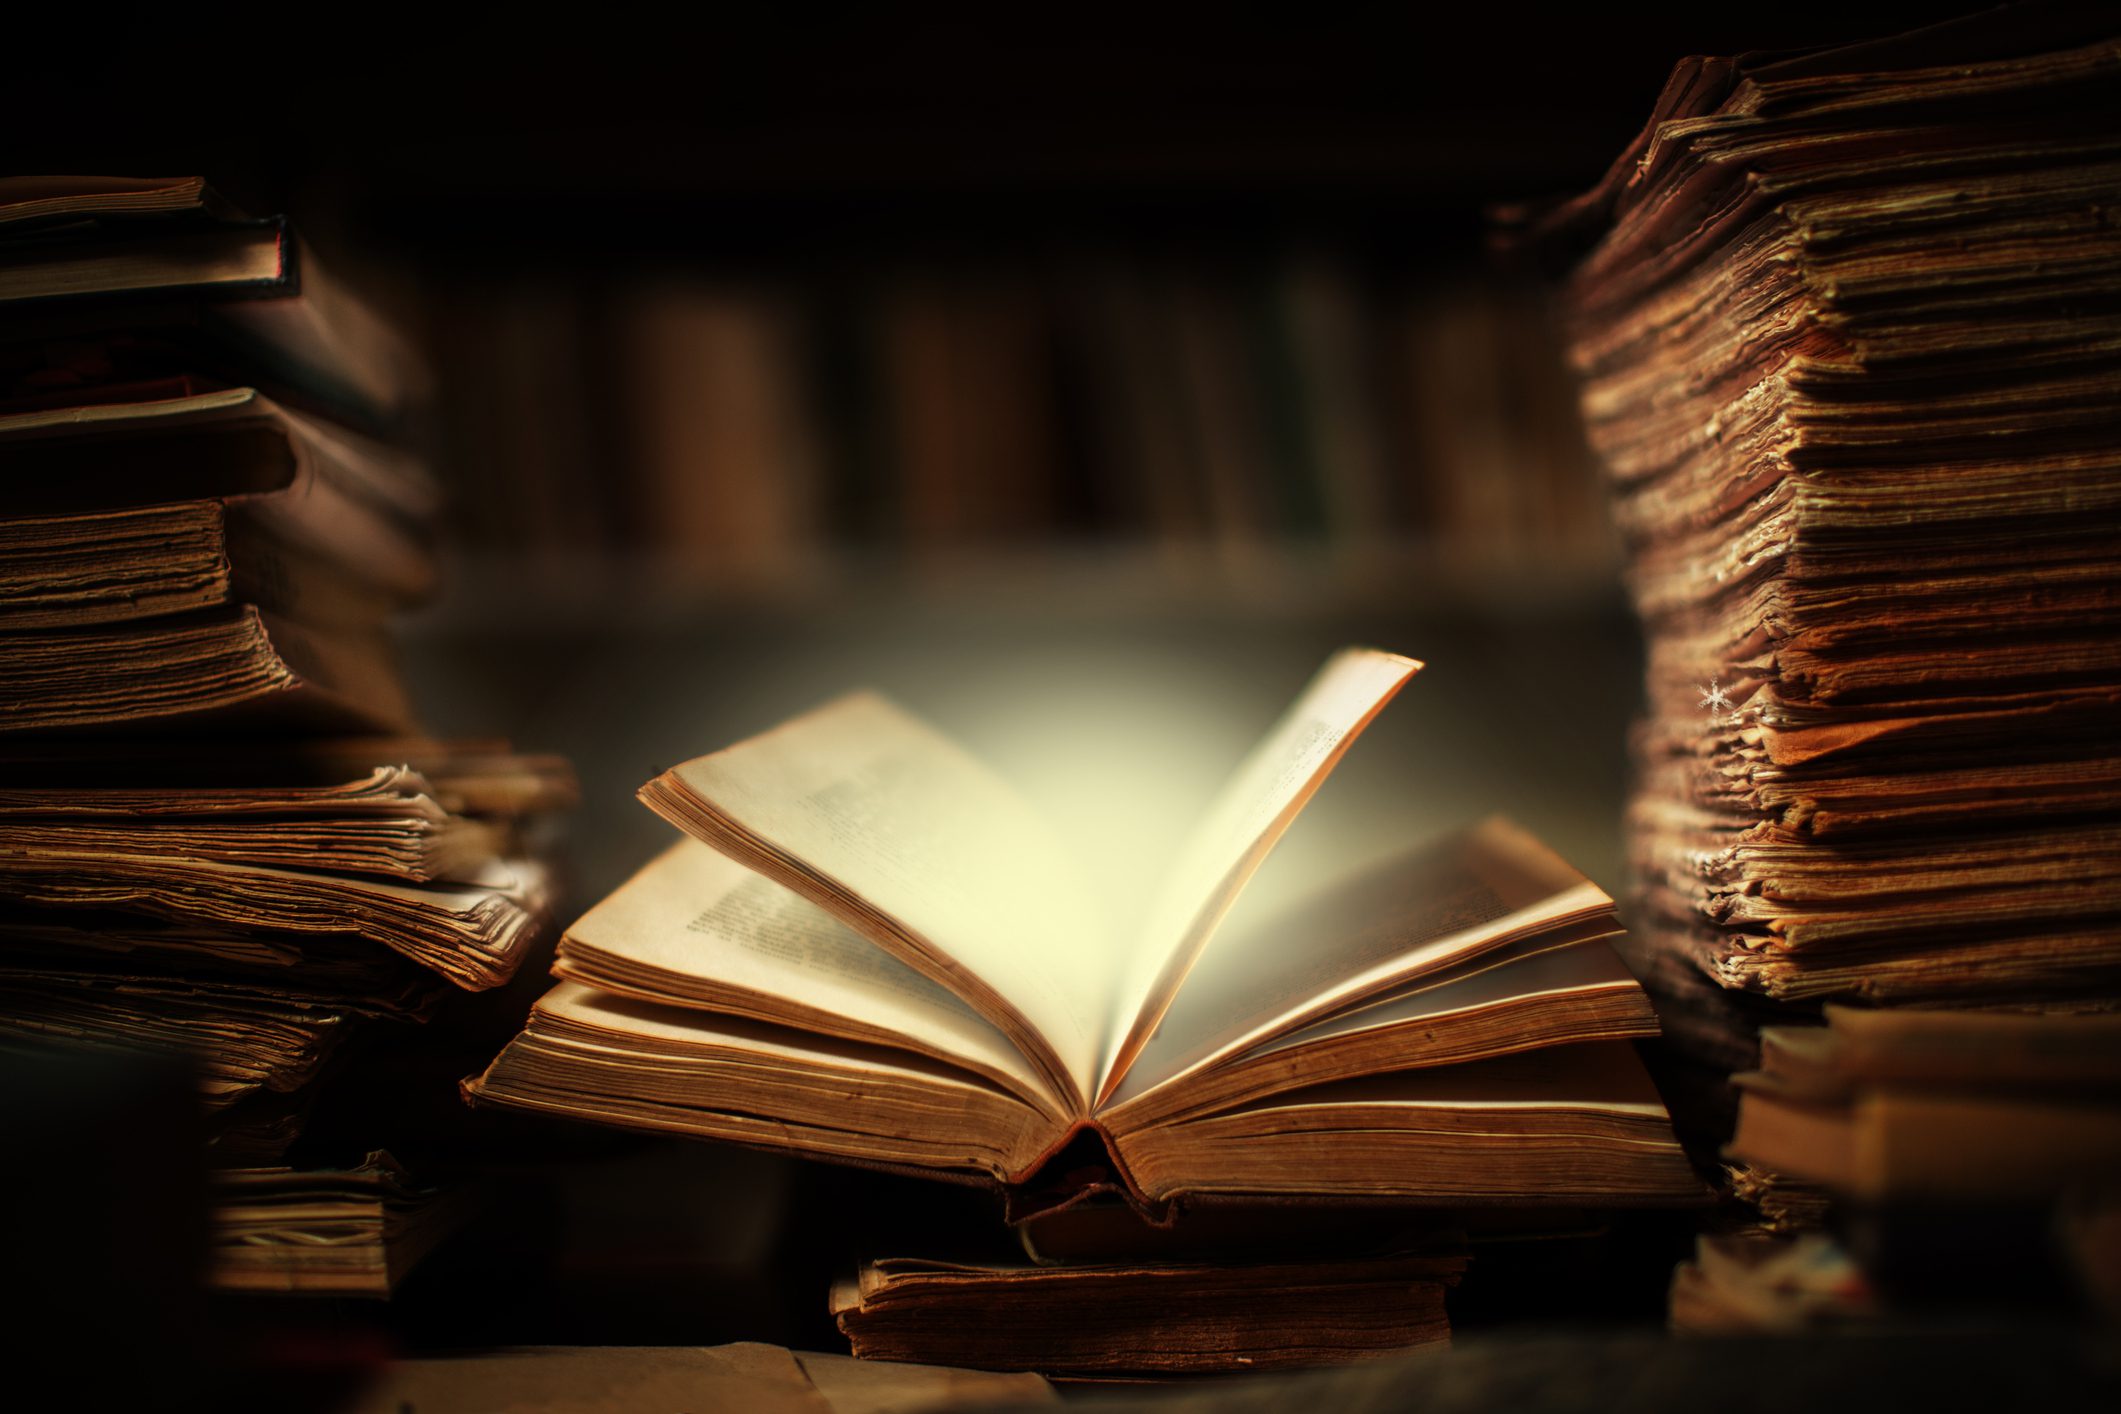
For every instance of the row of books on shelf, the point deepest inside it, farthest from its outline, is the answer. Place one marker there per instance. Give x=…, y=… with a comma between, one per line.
x=1848, y=349
x=1298, y=409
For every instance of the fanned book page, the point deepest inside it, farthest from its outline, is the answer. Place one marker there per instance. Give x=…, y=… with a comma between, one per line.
x=1366, y=938
x=1259, y=803
x=696, y=928
x=874, y=950
x=883, y=822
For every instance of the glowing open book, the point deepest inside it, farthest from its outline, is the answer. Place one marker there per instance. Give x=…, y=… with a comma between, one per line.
x=869, y=949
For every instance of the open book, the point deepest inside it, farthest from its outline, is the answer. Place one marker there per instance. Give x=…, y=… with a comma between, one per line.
x=872, y=950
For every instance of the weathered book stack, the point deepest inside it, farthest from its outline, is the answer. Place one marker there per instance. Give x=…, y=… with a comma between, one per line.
x=1849, y=328
x=1850, y=350
x=221, y=833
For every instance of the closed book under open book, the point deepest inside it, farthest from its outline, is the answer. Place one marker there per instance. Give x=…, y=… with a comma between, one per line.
x=872, y=950
x=1158, y=1318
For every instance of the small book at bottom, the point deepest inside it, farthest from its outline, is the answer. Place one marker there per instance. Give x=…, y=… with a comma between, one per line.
x=1148, y=1318
x=328, y=1232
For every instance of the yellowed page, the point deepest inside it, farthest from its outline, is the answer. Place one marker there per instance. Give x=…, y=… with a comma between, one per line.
x=590, y=1055
x=695, y=928
x=1522, y=971
x=875, y=817
x=1590, y=1075
x=1414, y=914
x=1253, y=811
x=759, y=1379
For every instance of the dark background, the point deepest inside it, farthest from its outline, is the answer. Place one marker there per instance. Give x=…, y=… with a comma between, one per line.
x=472, y=158
x=469, y=137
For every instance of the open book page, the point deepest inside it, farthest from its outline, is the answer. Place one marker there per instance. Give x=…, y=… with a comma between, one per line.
x=1578, y=1124
x=695, y=928
x=587, y=1054
x=1527, y=996
x=1581, y=963
x=1253, y=810
x=871, y=814
x=1592, y=1075
x=1439, y=905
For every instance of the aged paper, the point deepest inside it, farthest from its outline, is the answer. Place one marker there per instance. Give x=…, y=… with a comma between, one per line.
x=1431, y=908
x=695, y=926
x=889, y=1387
x=598, y=1380
x=1254, y=809
x=878, y=819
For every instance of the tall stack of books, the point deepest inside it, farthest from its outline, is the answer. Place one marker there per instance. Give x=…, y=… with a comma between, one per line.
x=1851, y=352
x=221, y=831
x=1970, y=1157
x=870, y=948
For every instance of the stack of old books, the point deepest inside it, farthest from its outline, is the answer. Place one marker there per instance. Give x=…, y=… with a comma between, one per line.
x=871, y=949
x=221, y=832
x=1851, y=350
x=1850, y=354
x=1964, y=1152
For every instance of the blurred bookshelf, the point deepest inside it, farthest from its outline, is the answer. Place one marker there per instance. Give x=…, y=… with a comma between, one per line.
x=1026, y=492
x=1299, y=428
x=775, y=355
x=1123, y=369
x=732, y=308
